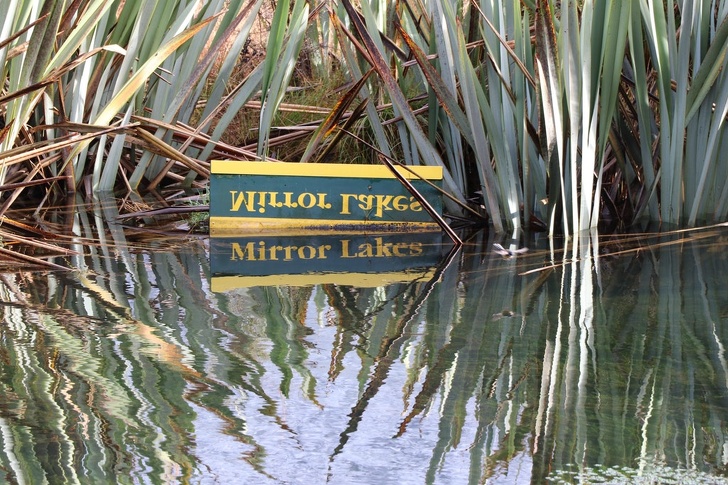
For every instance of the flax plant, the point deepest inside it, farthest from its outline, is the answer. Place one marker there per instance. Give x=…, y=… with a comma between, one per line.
x=549, y=110
x=542, y=113
x=688, y=50
x=140, y=67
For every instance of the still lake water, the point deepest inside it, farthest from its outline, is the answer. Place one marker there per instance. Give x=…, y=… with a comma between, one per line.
x=161, y=362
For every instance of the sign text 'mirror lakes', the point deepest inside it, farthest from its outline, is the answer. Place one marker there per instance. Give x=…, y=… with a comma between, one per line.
x=372, y=205
x=377, y=248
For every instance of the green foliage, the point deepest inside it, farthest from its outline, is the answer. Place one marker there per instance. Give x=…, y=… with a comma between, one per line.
x=555, y=113
x=97, y=63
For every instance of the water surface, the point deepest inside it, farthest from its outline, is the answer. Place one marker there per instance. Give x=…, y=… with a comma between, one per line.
x=602, y=362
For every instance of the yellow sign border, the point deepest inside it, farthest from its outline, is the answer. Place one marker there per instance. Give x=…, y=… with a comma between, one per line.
x=236, y=226
x=221, y=284
x=343, y=170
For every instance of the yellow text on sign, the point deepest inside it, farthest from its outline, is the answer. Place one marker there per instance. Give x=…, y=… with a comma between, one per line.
x=372, y=205
x=261, y=251
x=258, y=201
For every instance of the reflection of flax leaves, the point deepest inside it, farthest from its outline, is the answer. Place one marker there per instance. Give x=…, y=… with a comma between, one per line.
x=388, y=349
x=289, y=353
x=384, y=360
x=491, y=388
x=434, y=378
x=352, y=320
x=343, y=302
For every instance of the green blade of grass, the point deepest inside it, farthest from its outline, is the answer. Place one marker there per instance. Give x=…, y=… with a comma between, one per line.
x=708, y=71
x=448, y=102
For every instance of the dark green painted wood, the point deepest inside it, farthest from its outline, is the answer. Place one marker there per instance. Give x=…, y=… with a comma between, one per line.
x=321, y=198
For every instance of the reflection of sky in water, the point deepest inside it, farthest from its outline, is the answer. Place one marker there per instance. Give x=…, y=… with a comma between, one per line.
x=483, y=372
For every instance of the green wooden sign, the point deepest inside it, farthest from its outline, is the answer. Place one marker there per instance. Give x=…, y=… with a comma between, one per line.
x=277, y=196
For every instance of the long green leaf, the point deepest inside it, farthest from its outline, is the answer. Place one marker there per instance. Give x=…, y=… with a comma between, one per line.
x=550, y=97
x=275, y=83
x=398, y=98
x=708, y=71
x=446, y=98
x=139, y=79
x=372, y=114
x=276, y=37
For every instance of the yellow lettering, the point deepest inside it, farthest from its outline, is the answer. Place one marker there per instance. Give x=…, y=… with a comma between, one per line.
x=383, y=204
x=398, y=249
x=261, y=202
x=345, y=249
x=345, y=203
x=383, y=249
x=400, y=203
x=366, y=251
x=273, y=252
x=366, y=202
x=306, y=200
x=306, y=252
x=289, y=200
x=322, y=251
x=259, y=251
x=273, y=200
x=415, y=206
x=322, y=201
x=288, y=252
x=240, y=199
x=243, y=254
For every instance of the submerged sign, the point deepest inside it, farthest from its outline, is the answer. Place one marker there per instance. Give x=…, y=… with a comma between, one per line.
x=353, y=259
x=308, y=196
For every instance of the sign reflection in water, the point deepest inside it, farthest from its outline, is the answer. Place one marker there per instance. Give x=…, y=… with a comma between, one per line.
x=132, y=369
